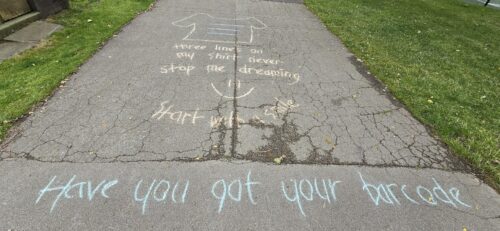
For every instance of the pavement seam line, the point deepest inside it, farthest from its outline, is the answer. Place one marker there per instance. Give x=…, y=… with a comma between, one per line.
x=234, y=124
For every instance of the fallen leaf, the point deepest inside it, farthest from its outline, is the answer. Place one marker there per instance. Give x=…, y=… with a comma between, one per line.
x=278, y=160
x=89, y=20
x=329, y=141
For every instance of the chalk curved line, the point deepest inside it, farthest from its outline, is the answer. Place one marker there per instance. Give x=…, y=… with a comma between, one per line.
x=231, y=97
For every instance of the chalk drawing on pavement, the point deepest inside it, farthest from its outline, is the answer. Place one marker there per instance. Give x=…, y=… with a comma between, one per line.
x=238, y=85
x=205, y=27
x=303, y=194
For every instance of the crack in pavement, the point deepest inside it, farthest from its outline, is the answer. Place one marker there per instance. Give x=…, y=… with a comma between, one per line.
x=235, y=123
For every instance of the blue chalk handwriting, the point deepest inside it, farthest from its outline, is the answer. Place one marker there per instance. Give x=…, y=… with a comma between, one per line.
x=222, y=190
x=160, y=191
x=75, y=190
x=306, y=190
x=382, y=193
x=299, y=193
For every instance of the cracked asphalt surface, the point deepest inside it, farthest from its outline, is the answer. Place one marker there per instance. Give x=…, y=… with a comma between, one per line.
x=165, y=99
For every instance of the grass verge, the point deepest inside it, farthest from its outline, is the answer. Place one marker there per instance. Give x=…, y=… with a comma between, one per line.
x=33, y=75
x=441, y=58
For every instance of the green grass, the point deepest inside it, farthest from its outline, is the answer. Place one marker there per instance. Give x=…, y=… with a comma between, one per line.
x=441, y=58
x=32, y=76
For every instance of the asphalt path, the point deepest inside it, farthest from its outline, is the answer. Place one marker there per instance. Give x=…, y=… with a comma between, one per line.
x=232, y=115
